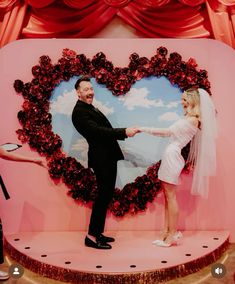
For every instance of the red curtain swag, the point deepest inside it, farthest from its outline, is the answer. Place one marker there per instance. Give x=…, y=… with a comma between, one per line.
x=85, y=18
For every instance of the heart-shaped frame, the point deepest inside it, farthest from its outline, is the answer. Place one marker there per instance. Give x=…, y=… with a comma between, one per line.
x=36, y=119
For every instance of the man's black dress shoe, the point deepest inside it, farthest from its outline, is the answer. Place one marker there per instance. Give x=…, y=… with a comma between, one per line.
x=98, y=244
x=105, y=239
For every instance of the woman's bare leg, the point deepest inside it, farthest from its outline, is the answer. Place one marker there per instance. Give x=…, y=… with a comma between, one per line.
x=166, y=217
x=171, y=208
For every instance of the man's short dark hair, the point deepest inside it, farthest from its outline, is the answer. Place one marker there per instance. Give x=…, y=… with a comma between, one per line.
x=81, y=79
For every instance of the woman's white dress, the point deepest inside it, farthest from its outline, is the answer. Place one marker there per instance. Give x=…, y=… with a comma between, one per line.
x=181, y=132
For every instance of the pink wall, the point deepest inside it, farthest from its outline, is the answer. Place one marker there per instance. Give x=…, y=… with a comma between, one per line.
x=38, y=204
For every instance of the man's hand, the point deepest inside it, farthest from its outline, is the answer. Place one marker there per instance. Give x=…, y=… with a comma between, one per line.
x=131, y=131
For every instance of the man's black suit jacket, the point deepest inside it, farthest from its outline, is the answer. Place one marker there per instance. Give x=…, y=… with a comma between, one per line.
x=99, y=133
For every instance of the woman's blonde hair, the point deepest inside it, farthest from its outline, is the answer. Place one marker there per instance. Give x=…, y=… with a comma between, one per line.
x=193, y=99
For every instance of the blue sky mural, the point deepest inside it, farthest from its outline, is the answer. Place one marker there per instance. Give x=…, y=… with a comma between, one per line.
x=152, y=102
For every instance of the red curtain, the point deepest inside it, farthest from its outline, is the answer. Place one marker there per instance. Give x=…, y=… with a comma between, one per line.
x=12, y=20
x=192, y=2
x=40, y=3
x=85, y=18
x=174, y=20
x=222, y=17
x=7, y=4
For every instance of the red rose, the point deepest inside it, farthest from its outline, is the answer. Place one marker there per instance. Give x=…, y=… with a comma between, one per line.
x=192, y=62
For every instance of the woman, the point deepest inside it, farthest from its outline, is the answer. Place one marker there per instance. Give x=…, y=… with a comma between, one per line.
x=20, y=158
x=199, y=127
x=4, y=154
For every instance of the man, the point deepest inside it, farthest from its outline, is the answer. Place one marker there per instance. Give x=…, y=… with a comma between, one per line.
x=103, y=154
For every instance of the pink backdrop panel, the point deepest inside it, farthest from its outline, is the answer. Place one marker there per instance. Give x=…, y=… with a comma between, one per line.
x=38, y=204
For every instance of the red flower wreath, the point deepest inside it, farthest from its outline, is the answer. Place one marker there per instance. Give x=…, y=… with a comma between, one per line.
x=36, y=119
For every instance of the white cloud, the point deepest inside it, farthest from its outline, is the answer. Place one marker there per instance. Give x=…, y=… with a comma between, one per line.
x=138, y=97
x=66, y=102
x=169, y=116
x=81, y=146
x=172, y=104
x=103, y=107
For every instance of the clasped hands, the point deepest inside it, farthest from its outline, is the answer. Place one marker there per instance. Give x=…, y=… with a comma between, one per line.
x=131, y=131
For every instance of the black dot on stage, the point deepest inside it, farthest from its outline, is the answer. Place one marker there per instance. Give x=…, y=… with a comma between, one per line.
x=44, y=255
x=132, y=266
x=16, y=240
x=27, y=248
x=215, y=238
x=98, y=266
x=205, y=246
x=163, y=261
x=67, y=262
x=188, y=254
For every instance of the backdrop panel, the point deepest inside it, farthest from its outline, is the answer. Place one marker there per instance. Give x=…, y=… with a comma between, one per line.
x=38, y=204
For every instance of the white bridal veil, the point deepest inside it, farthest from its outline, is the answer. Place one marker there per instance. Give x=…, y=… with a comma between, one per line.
x=203, y=147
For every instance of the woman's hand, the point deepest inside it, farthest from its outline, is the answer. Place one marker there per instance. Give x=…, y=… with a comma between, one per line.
x=41, y=162
x=138, y=129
